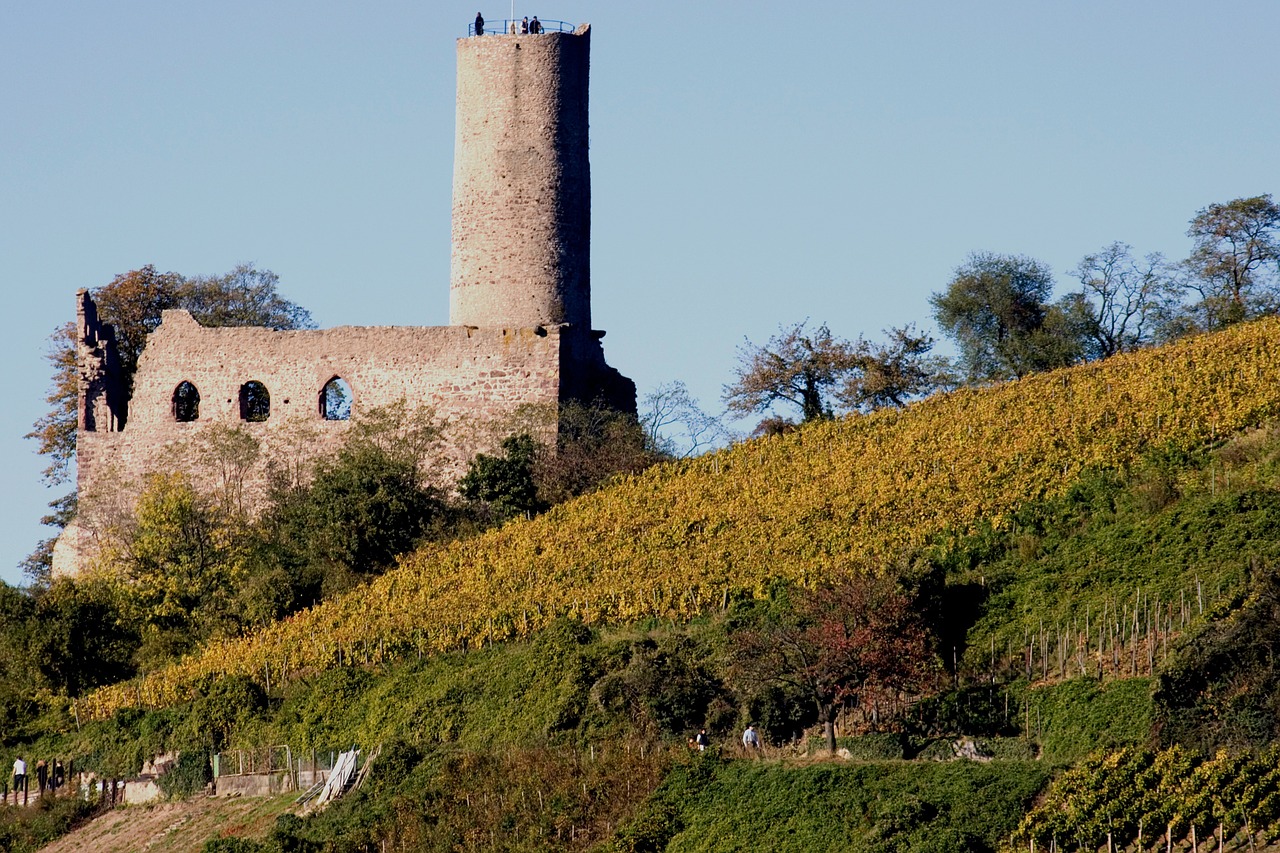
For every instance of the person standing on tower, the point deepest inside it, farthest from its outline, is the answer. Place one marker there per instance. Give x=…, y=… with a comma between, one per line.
x=479, y=24
x=524, y=26
x=535, y=26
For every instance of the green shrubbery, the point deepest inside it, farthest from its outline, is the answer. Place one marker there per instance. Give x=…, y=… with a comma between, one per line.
x=25, y=830
x=710, y=805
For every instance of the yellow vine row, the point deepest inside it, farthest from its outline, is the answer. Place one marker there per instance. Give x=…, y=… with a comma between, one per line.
x=831, y=497
x=1134, y=796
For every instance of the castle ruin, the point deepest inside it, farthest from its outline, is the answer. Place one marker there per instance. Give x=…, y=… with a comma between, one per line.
x=519, y=328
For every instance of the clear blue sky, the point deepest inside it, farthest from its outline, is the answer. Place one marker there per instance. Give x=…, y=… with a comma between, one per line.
x=753, y=164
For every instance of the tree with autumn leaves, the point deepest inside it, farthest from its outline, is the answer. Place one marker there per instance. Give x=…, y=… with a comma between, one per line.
x=132, y=303
x=834, y=646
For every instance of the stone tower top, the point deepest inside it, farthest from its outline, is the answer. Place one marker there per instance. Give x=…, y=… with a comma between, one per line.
x=522, y=182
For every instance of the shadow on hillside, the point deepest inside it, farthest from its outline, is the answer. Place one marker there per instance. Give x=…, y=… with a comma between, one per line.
x=958, y=608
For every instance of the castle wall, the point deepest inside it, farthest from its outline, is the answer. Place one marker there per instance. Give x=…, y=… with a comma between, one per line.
x=463, y=374
x=474, y=379
x=522, y=182
x=520, y=315
x=102, y=402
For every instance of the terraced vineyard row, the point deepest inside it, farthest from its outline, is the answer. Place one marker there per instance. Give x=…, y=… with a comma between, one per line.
x=832, y=497
x=1134, y=796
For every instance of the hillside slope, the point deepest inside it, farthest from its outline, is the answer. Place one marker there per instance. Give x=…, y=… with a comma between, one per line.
x=831, y=497
x=181, y=827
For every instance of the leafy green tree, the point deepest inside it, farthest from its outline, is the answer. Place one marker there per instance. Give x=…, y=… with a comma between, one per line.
x=179, y=564
x=671, y=682
x=245, y=296
x=20, y=676
x=335, y=520
x=221, y=706
x=360, y=511
x=81, y=637
x=996, y=310
x=505, y=483
x=1235, y=265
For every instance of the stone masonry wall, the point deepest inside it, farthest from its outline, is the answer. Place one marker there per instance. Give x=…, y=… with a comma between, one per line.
x=473, y=378
x=522, y=182
x=461, y=373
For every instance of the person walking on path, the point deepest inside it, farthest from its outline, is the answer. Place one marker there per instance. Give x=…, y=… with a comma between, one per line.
x=42, y=776
x=751, y=738
x=19, y=780
x=702, y=740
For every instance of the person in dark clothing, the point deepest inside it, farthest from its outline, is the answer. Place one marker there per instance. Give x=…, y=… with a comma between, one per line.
x=524, y=26
x=479, y=24
x=535, y=26
x=59, y=774
x=702, y=740
x=42, y=775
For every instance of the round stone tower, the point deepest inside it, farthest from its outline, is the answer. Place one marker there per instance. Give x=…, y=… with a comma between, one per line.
x=522, y=182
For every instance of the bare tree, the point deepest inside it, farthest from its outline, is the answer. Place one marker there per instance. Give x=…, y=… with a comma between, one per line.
x=675, y=425
x=1129, y=297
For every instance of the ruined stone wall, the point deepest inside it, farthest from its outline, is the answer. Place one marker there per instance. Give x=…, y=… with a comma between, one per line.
x=522, y=182
x=102, y=401
x=463, y=374
x=473, y=379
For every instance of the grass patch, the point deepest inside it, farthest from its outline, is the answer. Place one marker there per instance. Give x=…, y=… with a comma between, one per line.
x=709, y=806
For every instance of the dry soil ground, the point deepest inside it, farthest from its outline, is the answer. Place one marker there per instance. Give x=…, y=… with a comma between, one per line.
x=173, y=827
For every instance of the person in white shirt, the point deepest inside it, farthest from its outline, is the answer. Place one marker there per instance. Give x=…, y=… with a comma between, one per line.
x=19, y=776
x=751, y=738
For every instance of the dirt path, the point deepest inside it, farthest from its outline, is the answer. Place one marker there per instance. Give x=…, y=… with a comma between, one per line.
x=173, y=827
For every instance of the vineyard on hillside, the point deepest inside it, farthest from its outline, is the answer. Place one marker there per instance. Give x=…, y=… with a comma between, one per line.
x=832, y=497
x=1134, y=796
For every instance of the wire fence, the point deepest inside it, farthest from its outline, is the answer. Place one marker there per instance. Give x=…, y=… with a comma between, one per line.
x=272, y=759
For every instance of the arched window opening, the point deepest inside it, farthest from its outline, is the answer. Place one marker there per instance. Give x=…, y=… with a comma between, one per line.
x=186, y=403
x=255, y=402
x=335, y=400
